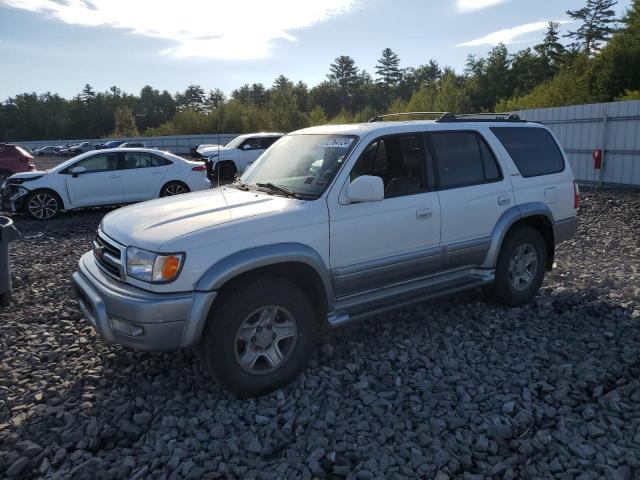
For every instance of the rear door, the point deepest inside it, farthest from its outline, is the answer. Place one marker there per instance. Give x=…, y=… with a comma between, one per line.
x=473, y=194
x=100, y=184
x=142, y=175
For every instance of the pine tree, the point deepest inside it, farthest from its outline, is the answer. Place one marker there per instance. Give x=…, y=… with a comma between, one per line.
x=388, y=68
x=344, y=74
x=124, y=123
x=550, y=48
x=598, y=19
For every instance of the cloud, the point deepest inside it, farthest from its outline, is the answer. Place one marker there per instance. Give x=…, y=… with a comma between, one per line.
x=230, y=30
x=469, y=5
x=508, y=35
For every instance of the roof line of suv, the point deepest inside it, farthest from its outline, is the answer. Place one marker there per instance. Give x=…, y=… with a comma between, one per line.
x=460, y=117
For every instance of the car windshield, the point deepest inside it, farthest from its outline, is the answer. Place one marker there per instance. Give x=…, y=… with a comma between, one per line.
x=302, y=165
x=235, y=143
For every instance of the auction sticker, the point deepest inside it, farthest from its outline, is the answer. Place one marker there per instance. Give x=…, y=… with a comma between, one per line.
x=339, y=142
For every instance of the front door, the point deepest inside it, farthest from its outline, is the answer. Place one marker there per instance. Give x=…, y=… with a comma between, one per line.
x=376, y=244
x=99, y=184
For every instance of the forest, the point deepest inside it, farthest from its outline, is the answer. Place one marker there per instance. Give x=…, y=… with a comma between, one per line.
x=596, y=60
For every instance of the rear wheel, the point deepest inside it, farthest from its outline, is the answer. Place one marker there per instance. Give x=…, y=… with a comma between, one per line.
x=173, y=188
x=260, y=336
x=520, y=268
x=43, y=204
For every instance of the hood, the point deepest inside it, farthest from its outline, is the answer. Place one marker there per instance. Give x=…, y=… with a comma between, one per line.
x=23, y=176
x=211, y=149
x=151, y=224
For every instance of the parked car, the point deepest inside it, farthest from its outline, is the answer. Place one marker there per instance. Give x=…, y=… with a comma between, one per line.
x=14, y=159
x=105, y=177
x=132, y=145
x=398, y=212
x=236, y=155
x=109, y=144
x=45, y=151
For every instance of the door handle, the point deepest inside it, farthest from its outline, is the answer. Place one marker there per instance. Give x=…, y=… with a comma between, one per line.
x=504, y=200
x=424, y=213
x=114, y=176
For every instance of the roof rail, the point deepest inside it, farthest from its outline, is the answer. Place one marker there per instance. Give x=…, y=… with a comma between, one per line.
x=481, y=117
x=377, y=118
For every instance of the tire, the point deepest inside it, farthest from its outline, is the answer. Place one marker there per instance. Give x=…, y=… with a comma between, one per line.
x=228, y=171
x=173, y=188
x=236, y=351
x=520, y=268
x=43, y=204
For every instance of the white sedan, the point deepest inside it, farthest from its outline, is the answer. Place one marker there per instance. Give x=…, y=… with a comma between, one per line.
x=102, y=177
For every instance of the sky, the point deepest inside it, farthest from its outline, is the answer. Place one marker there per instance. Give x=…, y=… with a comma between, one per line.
x=60, y=45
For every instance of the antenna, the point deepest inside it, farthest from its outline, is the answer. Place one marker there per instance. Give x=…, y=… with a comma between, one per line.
x=218, y=164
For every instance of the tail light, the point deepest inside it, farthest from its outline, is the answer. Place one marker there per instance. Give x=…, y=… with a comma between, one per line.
x=576, y=196
x=199, y=168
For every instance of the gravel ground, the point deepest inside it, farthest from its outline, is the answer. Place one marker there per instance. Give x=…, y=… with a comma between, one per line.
x=459, y=388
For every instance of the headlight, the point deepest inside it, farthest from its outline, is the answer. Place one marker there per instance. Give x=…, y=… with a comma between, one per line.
x=153, y=267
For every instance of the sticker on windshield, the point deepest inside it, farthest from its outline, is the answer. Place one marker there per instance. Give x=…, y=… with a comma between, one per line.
x=339, y=142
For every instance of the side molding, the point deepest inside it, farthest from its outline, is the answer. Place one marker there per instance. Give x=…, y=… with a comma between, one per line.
x=252, y=258
x=505, y=222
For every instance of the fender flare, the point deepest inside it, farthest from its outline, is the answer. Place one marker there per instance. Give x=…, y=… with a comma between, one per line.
x=250, y=259
x=506, y=221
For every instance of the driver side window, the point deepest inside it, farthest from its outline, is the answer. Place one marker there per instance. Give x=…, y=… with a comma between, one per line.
x=399, y=160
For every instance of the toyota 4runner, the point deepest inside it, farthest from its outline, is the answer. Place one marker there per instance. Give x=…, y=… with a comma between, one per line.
x=332, y=224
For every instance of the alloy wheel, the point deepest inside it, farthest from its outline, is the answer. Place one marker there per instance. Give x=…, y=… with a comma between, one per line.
x=43, y=206
x=174, y=189
x=523, y=267
x=265, y=339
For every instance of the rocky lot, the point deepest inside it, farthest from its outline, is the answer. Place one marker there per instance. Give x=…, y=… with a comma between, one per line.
x=458, y=388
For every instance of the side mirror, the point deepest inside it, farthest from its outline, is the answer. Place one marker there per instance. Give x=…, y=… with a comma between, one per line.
x=366, y=188
x=247, y=146
x=75, y=171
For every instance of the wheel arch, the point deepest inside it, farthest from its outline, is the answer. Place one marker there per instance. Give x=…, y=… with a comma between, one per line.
x=297, y=262
x=535, y=214
x=64, y=199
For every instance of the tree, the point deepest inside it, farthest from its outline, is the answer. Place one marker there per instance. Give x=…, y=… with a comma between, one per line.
x=551, y=50
x=317, y=116
x=344, y=74
x=598, y=19
x=193, y=98
x=124, y=123
x=388, y=68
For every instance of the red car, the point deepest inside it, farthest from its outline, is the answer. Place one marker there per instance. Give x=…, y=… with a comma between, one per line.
x=14, y=159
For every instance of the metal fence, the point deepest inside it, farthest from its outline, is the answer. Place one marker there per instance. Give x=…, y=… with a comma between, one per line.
x=612, y=127
x=179, y=144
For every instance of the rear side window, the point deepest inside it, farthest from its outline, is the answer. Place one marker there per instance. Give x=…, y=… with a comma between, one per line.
x=533, y=150
x=266, y=142
x=463, y=158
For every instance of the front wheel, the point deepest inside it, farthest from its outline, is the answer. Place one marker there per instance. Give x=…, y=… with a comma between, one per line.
x=260, y=336
x=520, y=268
x=173, y=188
x=43, y=205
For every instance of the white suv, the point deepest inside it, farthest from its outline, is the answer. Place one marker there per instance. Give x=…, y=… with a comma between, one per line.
x=332, y=224
x=237, y=155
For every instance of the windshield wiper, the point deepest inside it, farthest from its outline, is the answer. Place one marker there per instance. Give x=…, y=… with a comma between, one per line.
x=284, y=191
x=241, y=185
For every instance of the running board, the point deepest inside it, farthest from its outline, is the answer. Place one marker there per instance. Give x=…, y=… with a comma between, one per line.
x=341, y=317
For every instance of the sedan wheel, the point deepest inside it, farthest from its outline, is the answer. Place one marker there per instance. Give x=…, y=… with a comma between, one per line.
x=174, y=188
x=42, y=205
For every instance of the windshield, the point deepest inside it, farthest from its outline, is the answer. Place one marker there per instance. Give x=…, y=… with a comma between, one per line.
x=303, y=164
x=235, y=143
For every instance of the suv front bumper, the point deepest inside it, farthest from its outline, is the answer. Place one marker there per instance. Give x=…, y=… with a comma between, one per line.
x=137, y=318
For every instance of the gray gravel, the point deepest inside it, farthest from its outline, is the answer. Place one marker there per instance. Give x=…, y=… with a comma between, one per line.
x=459, y=388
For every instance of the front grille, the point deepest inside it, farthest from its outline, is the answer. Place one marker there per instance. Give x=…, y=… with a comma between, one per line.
x=108, y=256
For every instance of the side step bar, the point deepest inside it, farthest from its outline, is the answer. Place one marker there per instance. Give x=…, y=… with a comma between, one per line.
x=340, y=318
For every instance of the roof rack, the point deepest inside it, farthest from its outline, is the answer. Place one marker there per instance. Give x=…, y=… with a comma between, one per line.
x=377, y=118
x=481, y=117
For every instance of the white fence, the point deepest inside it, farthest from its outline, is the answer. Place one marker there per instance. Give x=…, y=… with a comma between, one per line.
x=612, y=127
x=179, y=144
